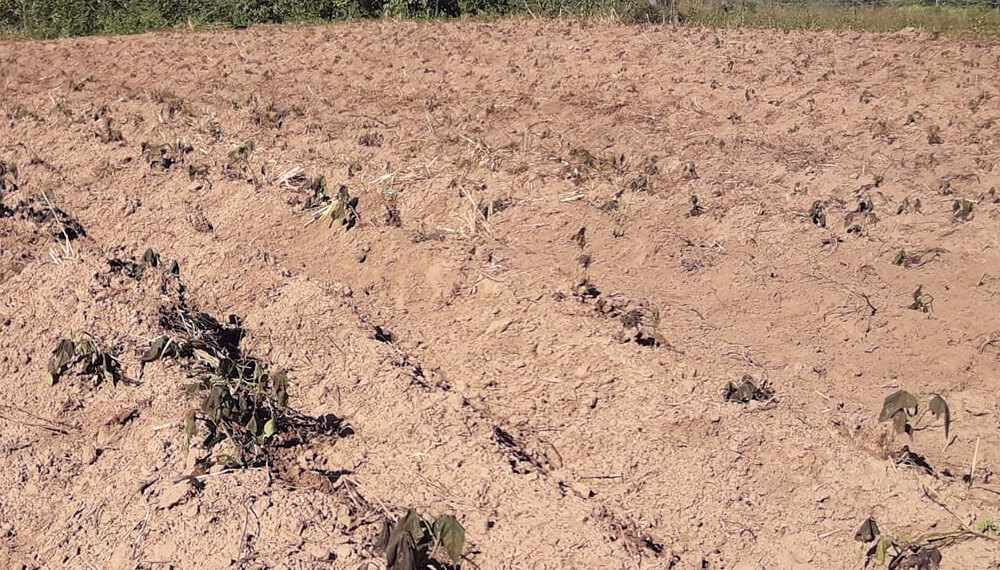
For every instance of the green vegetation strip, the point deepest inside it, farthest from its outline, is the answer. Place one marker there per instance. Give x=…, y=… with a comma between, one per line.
x=63, y=18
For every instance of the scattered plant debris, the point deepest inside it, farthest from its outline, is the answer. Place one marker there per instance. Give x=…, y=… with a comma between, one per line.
x=747, y=391
x=164, y=156
x=413, y=542
x=96, y=364
x=917, y=258
x=370, y=138
x=107, y=134
x=327, y=209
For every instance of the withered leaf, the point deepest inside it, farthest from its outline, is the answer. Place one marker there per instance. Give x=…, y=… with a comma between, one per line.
x=899, y=421
x=900, y=400
x=451, y=535
x=940, y=408
x=868, y=531
x=155, y=350
x=61, y=356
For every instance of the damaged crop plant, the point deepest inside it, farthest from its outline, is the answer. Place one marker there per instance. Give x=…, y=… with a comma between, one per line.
x=242, y=402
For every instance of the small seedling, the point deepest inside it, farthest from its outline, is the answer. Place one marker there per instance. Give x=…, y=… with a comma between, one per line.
x=238, y=162
x=414, y=542
x=696, y=208
x=107, y=134
x=817, y=215
x=864, y=215
x=98, y=365
x=370, y=138
x=909, y=206
x=8, y=176
x=901, y=405
x=922, y=302
x=614, y=205
x=747, y=391
x=962, y=209
x=934, y=135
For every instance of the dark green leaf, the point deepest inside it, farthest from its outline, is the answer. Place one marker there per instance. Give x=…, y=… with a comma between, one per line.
x=940, y=408
x=868, y=531
x=901, y=400
x=451, y=535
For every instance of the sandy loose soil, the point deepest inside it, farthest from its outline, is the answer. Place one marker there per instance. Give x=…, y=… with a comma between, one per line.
x=573, y=236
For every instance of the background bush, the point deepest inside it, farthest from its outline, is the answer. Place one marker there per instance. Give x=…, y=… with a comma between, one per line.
x=59, y=18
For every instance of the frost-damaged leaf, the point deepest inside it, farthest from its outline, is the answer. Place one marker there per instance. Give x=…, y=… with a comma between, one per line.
x=269, y=428
x=151, y=258
x=155, y=350
x=451, y=535
x=899, y=421
x=881, y=549
x=400, y=542
x=901, y=400
x=61, y=356
x=190, y=427
x=940, y=408
x=868, y=531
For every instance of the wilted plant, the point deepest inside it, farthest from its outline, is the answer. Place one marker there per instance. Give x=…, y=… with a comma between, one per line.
x=901, y=405
x=962, y=209
x=343, y=207
x=163, y=156
x=922, y=302
x=413, y=541
x=83, y=353
x=747, y=391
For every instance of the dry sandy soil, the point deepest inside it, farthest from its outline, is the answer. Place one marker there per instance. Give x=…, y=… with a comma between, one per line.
x=516, y=389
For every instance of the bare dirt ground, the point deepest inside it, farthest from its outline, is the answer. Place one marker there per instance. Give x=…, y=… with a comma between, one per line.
x=558, y=389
